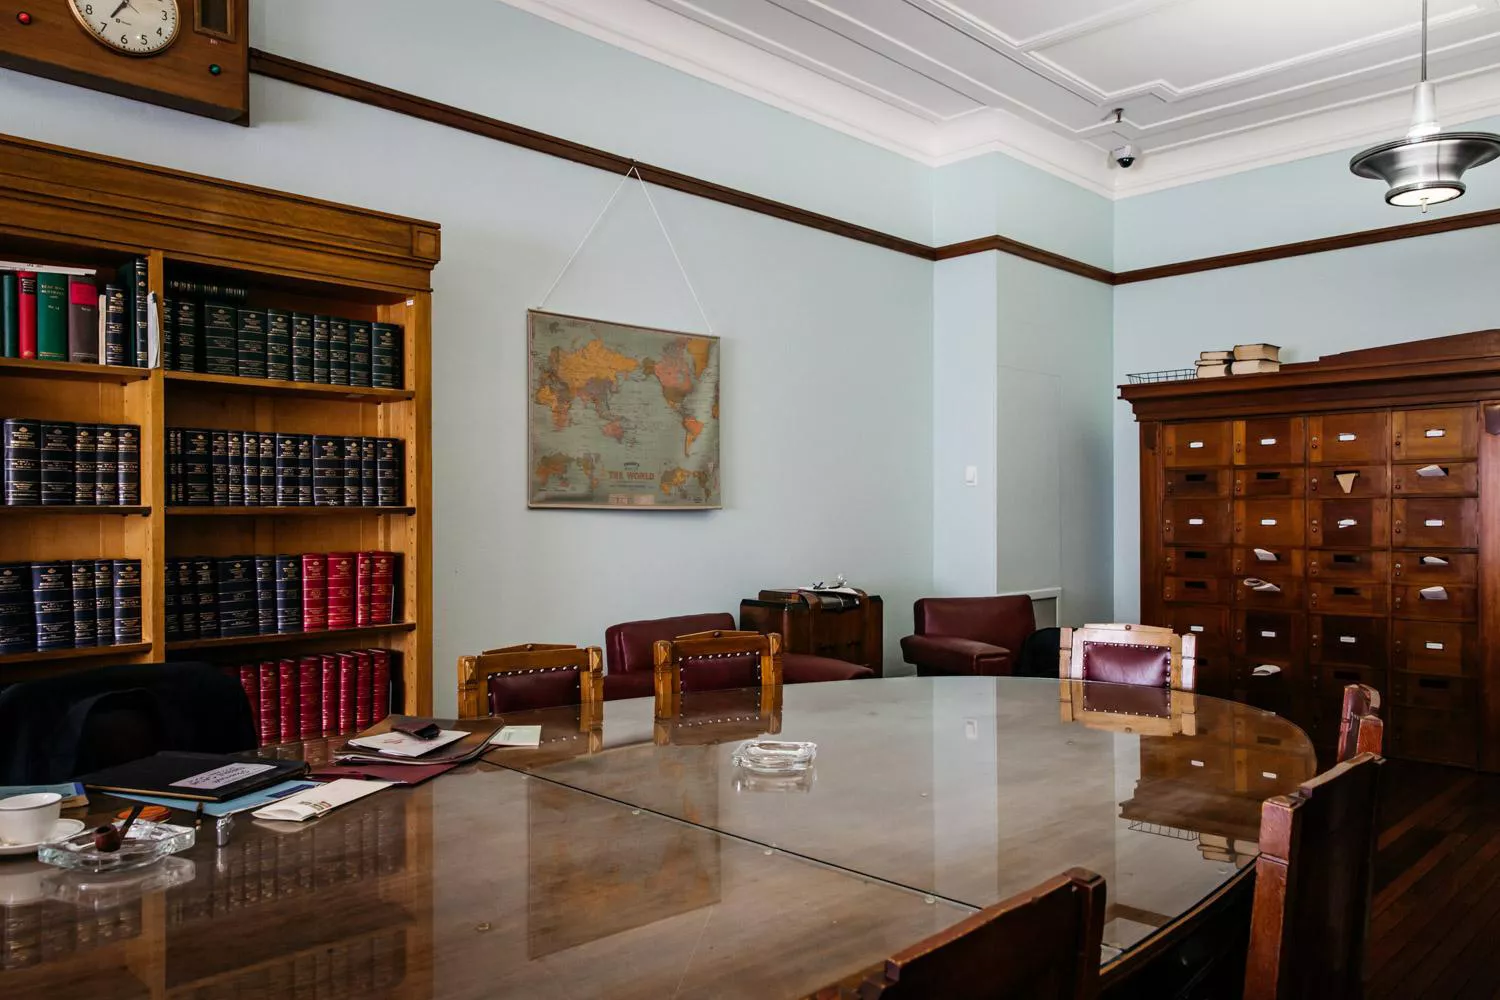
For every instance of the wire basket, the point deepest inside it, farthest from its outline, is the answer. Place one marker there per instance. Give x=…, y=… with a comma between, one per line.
x=1166, y=375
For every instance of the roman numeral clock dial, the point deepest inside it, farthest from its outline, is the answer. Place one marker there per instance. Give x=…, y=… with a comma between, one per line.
x=130, y=27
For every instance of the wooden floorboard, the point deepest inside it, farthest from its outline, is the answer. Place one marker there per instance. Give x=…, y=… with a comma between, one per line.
x=1435, y=926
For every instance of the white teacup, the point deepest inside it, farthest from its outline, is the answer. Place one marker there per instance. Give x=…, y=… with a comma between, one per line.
x=29, y=818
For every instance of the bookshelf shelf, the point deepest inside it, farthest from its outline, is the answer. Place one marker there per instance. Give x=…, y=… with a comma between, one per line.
x=279, y=638
x=276, y=387
x=286, y=511
x=53, y=655
x=32, y=510
x=69, y=371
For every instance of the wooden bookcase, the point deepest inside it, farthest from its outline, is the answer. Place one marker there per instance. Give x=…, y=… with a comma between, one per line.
x=64, y=206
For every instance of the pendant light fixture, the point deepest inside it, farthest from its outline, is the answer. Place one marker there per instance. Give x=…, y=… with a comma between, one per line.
x=1427, y=166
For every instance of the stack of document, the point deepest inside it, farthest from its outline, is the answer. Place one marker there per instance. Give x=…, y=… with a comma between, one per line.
x=382, y=744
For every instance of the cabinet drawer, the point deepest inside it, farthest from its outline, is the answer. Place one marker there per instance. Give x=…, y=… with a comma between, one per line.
x=1209, y=624
x=1435, y=647
x=1197, y=482
x=1280, y=691
x=1329, y=683
x=1449, y=694
x=1250, y=561
x=1197, y=522
x=1200, y=762
x=1435, y=523
x=1215, y=673
x=1271, y=635
x=1187, y=561
x=1269, y=523
x=1452, y=604
x=1193, y=589
x=1449, y=432
x=1442, y=479
x=1348, y=524
x=1348, y=437
x=1353, y=564
x=1429, y=734
x=1270, y=441
x=1287, y=481
x=1442, y=567
x=1348, y=597
x=1198, y=444
x=1289, y=594
x=1363, y=481
x=1349, y=640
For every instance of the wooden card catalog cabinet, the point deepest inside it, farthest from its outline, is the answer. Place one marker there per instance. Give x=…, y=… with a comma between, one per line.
x=1327, y=525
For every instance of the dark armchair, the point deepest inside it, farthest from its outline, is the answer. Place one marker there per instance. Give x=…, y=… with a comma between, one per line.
x=968, y=635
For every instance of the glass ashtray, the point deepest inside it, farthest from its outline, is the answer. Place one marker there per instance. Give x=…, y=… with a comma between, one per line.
x=101, y=890
x=775, y=756
x=746, y=780
x=145, y=843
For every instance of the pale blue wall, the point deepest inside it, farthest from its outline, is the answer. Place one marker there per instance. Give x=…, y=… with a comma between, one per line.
x=993, y=193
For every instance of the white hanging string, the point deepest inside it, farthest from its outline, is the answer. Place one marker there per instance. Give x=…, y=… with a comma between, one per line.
x=665, y=235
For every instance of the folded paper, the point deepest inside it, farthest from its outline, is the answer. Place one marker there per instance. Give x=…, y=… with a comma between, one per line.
x=1266, y=555
x=1346, y=480
x=1434, y=593
x=1432, y=472
x=1266, y=670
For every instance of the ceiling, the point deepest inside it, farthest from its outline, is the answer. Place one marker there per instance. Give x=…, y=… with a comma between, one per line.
x=1206, y=86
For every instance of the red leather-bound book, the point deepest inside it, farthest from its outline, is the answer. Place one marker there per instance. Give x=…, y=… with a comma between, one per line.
x=250, y=681
x=348, y=686
x=380, y=673
x=382, y=588
x=291, y=708
x=270, y=703
x=26, y=312
x=329, y=665
x=310, y=697
x=364, y=581
x=364, y=692
x=340, y=590
x=314, y=592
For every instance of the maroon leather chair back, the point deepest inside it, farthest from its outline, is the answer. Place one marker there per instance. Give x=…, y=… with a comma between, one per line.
x=630, y=646
x=999, y=621
x=1119, y=663
x=524, y=690
x=718, y=673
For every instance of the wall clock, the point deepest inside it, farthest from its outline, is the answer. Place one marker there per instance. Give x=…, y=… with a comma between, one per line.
x=131, y=27
x=192, y=55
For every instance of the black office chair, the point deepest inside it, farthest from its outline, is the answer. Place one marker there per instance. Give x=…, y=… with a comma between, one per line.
x=57, y=728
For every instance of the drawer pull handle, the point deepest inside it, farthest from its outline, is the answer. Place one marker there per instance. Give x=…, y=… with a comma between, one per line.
x=1433, y=522
x=1195, y=520
x=1268, y=476
x=1195, y=444
x=1346, y=436
x=1268, y=522
x=1437, y=646
x=1434, y=561
x=1268, y=775
x=1346, y=558
x=1196, y=477
x=1347, y=522
x=1196, y=763
x=1351, y=640
x=1195, y=628
x=1434, y=432
x=1267, y=634
x=1268, y=441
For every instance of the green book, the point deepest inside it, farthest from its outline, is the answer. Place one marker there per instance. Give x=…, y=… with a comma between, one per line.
x=10, y=317
x=51, y=317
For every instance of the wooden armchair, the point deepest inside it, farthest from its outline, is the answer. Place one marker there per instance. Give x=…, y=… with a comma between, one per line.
x=533, y=675
x=716, y=661
x=1360, y=729
x=1312, y=887
x=1144, y=655
x=1042, y=944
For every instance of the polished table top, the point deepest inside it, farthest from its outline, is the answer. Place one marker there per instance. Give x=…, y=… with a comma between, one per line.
x=626, y=857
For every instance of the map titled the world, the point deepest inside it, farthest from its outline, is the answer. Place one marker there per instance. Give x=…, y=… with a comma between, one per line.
x=621, y=416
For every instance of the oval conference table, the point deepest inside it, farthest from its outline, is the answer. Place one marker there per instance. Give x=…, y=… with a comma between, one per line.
x=628, y=856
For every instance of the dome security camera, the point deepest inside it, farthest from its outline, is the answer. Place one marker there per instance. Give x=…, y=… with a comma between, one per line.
x=1124, y=155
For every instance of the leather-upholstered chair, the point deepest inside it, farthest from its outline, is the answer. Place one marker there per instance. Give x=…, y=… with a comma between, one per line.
x=1143, y=655
x=968, y=635
x=1360, y=729
x=528, y=676
x=629, y=650
x=717, y=661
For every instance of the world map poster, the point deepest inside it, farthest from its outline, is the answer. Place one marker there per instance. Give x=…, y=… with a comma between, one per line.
x=621, y=416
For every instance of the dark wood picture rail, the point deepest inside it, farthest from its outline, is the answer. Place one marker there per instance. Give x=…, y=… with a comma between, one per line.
x=351, y=88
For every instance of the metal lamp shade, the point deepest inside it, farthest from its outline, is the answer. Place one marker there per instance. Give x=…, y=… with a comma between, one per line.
x=1426, y=170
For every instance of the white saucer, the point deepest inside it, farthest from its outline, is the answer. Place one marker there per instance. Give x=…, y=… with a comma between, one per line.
x=61, y=830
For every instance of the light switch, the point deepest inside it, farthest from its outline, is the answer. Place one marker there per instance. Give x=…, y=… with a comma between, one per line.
x=971, y=475
x=971, y=729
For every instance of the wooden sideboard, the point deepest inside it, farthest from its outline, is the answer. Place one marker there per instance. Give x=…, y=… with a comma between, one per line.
x=836, y=625
x=1351, y=489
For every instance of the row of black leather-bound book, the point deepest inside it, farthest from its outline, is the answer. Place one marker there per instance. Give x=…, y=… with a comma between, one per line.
x=59, y=463
x=69, y=604
x=214, y=468
x=211, y=329
x=51, y=930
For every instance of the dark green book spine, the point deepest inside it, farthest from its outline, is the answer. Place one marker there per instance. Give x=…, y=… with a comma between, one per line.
x=359, y=352
x=279, y=344
x=51, y=317
x=302, y=347
x=321, y=332
x=169, y=335
x=188, y=353
x=251, y=343
x=385, y=355
x=133, y=278
x=338, y=350
x=10, y=317
x=368, y=474
x=117, y=350
x=220, y=330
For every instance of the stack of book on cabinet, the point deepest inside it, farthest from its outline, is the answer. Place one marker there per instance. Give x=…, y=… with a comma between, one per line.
x=1243, y=359
x=52, y=313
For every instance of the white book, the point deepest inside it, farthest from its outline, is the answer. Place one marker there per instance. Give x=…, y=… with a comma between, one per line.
x=1257, y=352
x=1215, y=355
x=82, y=272
x=1254, y=366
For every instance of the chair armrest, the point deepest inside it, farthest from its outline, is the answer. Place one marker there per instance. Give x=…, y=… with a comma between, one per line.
x=936, y=655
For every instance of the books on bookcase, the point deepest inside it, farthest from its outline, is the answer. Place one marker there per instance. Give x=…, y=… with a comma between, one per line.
x=55, y=463
x=319, y=695
x=240, y=596
x=212, y=468
x=69, y=604
x=56, y=313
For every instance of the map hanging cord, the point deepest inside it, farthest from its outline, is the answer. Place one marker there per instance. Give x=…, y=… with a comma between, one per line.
x=665, y=235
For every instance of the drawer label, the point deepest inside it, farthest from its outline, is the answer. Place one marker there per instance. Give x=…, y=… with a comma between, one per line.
x=1195, y=444
x=1268, y=521
x=1435, y=432
x=1351, y=640
x=1346, y=436
x=1433, y=522
x=1347, y=522
x=1195, y=628
x=1195, y=520
x=1196, y=763
x=1268, y=775
x=1268, y=441
x=1266, y=634
x=1434, y=645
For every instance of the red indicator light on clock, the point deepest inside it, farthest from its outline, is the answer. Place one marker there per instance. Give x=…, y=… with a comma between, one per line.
x=24, y=17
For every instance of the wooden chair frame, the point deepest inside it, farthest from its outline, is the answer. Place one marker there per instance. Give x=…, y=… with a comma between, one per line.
x=668, y=655
x=1360, y=729
x=1183, y=649
x=474, y=672
x=1181, y=721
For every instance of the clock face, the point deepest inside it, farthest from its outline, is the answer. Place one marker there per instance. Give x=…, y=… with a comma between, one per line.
x=131, y=27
